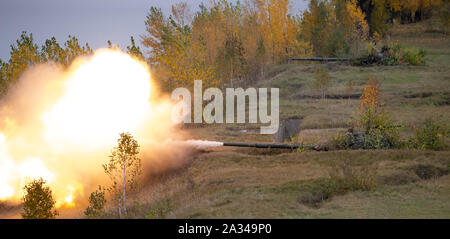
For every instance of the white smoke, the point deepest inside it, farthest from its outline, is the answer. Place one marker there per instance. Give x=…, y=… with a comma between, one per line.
x=197, y=144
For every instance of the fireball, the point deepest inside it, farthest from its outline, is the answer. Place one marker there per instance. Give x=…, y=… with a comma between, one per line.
x=105, y=96
x=65, y=129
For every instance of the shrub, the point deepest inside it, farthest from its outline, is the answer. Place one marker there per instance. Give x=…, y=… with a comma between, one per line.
x=399, y=178
x=341, y=140
x=392, y=54
x=428, y=171
x=97, y=203
x=414, y=56
x=430, y=136
x=342, y=179
x=395, y=54
x=370, y=48
x=315, y=196
x=160, y=210
x=376, y=125
x=384, y=136
x=38, y=202
x=345, y=178
x=303, y=147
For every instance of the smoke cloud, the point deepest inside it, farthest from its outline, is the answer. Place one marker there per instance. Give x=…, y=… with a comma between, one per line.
x=61, y=125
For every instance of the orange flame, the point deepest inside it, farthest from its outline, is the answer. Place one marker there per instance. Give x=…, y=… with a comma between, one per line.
x=61, y=125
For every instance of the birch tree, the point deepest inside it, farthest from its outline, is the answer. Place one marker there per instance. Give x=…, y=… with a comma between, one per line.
x=123, y=168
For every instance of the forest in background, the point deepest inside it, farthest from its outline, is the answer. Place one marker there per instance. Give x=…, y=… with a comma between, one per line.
x=229, y=44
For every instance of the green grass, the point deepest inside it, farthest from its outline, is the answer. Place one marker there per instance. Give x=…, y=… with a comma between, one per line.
x=239, y=183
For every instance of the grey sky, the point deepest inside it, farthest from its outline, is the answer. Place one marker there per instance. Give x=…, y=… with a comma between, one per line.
x=92, y=21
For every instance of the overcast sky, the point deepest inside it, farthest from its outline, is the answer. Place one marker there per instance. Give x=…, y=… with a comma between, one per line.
x=92, y=21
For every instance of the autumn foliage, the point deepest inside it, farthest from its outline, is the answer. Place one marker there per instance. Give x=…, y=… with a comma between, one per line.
x=222, y=44
x=334, y=28
x=370, y=97
x=228, y=44
x=374, y=122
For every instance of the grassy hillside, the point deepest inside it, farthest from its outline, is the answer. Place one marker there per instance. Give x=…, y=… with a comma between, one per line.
x=249, y=183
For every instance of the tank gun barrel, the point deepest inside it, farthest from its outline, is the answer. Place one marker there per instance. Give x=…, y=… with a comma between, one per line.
x=267, y=146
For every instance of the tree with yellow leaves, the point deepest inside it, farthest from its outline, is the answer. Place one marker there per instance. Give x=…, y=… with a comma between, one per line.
x=224, y=43
x=334, y=28
x=278, y=29
x=376, y=125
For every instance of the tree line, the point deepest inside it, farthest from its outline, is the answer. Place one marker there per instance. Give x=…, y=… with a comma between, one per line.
x=26, y=53
x=227, y=44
